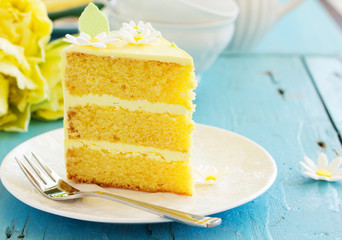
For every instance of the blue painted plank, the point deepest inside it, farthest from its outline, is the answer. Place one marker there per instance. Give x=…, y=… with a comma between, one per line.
x=327, y=73
x=242, y=94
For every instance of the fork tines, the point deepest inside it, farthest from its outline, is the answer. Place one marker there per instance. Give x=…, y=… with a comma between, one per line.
x=41, y=177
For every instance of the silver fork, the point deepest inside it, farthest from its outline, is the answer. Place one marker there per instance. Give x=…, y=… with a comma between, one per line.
x=52, y=186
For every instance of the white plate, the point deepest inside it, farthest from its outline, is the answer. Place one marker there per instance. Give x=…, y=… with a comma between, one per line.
x=251, y=172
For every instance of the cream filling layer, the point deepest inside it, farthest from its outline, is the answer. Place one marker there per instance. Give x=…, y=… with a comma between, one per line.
x=132, y=150
x=130, y=105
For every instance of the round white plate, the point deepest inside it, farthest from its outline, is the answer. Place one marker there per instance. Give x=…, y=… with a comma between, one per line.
x=251, y=171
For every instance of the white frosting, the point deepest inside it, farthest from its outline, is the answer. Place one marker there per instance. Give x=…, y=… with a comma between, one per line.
x=131, y=105
x=133, y=150
x=161, y=50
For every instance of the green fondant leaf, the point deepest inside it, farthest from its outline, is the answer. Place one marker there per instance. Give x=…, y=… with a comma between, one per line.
x=92, y=21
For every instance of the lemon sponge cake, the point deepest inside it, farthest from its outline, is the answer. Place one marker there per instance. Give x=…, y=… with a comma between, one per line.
x=128, y=110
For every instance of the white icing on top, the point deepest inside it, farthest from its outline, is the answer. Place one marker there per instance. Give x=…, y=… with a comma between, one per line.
x=161, y=50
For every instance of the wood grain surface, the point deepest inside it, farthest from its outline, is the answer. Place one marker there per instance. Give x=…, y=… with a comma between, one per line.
x=288, y=101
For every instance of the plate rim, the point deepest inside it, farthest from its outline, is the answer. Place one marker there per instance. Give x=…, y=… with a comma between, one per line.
x=152, y=219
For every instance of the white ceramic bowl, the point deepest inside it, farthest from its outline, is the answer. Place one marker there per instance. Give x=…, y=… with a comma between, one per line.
x=176, y=11
x=256, y=18
x=204, y=42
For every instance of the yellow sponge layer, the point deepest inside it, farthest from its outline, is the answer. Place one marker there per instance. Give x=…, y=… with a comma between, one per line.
x=126, y=170
x=105, y=123
x=129, y=79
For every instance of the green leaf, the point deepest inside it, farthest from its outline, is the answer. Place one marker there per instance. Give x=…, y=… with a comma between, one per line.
x=92, y=21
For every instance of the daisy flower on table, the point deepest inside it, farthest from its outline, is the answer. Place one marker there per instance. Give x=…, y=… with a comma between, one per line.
x=98, y=41
x=140, y=33
x=323, y=171
x=209, y=175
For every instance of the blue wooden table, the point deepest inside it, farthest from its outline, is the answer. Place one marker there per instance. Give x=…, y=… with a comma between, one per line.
x=286, y=96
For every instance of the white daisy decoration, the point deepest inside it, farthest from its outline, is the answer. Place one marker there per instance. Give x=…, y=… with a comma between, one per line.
x=99, y=41
x=323, y=171
x=208, y=175
x=94, y=29
x=140, y=33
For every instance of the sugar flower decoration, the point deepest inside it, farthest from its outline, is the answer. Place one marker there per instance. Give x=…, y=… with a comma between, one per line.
x=208, y=175
x=323, y=171
x=94, y=29
x=98, y=41
x=140, y=33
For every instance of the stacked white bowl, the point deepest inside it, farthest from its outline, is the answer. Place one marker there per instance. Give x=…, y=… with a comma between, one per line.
x=202, y=28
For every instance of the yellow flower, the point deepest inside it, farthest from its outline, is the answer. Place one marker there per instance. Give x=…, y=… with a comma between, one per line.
x=24, y=32
x=52, y=107
x=25, y=23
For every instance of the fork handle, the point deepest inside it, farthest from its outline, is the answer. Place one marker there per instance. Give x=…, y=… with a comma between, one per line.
x=178, y=216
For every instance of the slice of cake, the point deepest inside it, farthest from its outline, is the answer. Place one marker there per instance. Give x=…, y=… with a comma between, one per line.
x=128, y=109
